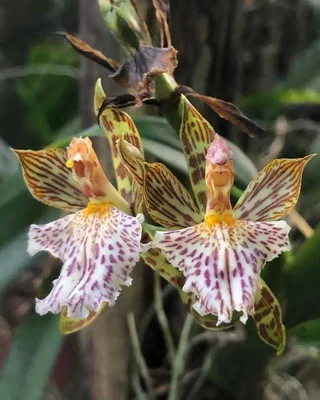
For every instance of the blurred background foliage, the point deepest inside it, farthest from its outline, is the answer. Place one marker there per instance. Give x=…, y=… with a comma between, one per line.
x=264, y=56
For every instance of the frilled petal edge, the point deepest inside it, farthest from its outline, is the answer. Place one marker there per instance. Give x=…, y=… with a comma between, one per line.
x=222, y=262
x=99, y=246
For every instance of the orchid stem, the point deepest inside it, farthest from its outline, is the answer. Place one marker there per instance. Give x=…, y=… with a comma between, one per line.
x=162, y=318
x=303, y=226
x=179, y=361
x=139, y=356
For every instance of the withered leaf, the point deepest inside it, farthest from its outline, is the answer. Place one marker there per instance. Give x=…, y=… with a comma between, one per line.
x=92, y=54
x=227, y=111
x=146, y=59
x=162, y=8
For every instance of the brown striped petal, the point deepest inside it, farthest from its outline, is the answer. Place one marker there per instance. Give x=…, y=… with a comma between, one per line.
x=196, y=135
x=49, y=180
x=273, y=192
x=117, y=124
x=268, y=318
x=166, y=199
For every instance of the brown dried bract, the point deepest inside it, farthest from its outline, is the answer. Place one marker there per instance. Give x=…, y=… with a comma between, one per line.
x=92, y=54
x=162, y=8
x=145, y=60
x=227, y=111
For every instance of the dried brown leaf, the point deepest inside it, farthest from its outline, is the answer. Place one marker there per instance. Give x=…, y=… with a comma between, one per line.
x=92, y=54
x=146, y=59
x=227, y=111
x=162, y=8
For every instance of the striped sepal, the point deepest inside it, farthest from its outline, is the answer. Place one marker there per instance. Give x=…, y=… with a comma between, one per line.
x=273, y=192
x=49, y=180
x=196, y=135
x=268, y=318
x=158, y=262
x=166, y=199
x=116, y=124
x=71, y=325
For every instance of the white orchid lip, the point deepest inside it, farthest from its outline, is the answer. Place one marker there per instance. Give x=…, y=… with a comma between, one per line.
x=222, y=262
x=99, y=247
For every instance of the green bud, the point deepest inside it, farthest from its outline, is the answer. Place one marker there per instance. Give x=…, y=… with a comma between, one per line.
x=125, y=23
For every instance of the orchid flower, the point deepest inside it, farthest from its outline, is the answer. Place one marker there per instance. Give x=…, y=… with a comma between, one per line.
x=222, y=257
x=99, y=242
x=219, y=251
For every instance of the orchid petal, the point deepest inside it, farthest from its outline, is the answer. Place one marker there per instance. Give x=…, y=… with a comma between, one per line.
x=158, y=262
x=273, y=192
x=99, y=247
x=116, y=124
x=50, y=180
x=268, y=318
x=196, y=135
x=70, y=325
x=166, y=199
x=222, y=262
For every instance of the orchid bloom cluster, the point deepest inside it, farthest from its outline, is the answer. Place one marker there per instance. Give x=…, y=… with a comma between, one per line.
x=211, y=252
x=214, y=253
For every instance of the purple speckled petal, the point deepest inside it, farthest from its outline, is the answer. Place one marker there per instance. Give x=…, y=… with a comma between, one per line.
x=222, y=262
x=99, y=247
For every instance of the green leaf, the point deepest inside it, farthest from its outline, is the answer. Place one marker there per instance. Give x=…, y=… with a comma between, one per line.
x=33, y=353
x=302, y=282
x=14, y=252
x=307, y=332
x=168, y=155
x=244, y=169
x=18, y=208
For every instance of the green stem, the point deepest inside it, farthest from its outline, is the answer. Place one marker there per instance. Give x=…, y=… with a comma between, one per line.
x=139, y=356
x=179, y=361
x=172, y=107
x=163, y=321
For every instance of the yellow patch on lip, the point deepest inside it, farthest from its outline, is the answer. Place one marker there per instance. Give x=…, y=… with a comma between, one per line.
x=214, y=218
x=99, y=207
x=70, y=163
